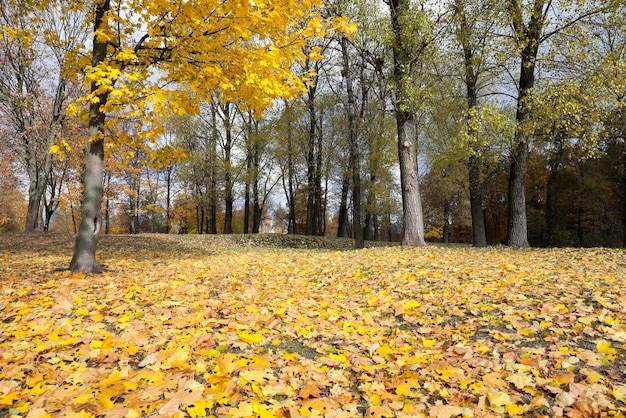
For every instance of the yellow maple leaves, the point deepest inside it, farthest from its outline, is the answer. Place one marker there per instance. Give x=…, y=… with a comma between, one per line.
x=138, y=341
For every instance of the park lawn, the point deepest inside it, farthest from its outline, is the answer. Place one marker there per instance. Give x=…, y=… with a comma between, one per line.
x=204, y=326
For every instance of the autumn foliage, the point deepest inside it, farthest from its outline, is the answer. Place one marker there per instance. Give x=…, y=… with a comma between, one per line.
x=197, y=326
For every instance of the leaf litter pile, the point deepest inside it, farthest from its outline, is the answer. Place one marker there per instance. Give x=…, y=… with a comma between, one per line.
x=182, y=326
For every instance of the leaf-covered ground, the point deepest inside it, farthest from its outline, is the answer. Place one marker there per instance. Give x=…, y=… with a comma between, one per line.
x=194, y=326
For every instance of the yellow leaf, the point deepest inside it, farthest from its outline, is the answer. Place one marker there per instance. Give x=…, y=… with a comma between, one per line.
x=619, y=393
x=497, y=398
x=410, y=305
x=312, y=406
x=520, y=380
x=406, y=388
x=9, y=398
x=427, y=342
x=603, y=346
x=105, y=401
x=256, y=376
x=198, y=408
x=250, y=338
x=513, y=409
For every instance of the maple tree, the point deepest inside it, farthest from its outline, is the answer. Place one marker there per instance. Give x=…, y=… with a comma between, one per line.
x=202, y=326
x=243, y=49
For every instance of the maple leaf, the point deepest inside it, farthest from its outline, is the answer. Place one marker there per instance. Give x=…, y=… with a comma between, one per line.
x=144, y=344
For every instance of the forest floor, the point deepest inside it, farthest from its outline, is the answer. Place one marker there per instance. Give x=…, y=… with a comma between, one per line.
x=293, y=326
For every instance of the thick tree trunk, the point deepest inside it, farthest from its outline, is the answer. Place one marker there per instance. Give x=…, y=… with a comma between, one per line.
x=412, y=218
x=84, y=258
x=528, y=36
x=35, y=193
x=516, y=205
x=479, y=232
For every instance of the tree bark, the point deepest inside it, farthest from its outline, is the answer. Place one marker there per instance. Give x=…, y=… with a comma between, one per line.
x=228, y=175
x=528, y=36
x=212, y=227
x=355, y=157
x=342, y=217
x=474, y=162
x=84, y=258
x=311, y=204
x=412, y=218
x=479, y=232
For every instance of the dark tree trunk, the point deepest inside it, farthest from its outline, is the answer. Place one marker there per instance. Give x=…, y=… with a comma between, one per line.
x=228, y=176
x=474, y=162
x=311, y=203
x=412, y=218
x=212, y=227
x=168, y=199
x=623, y=195
x=479, y=232
x=446, y=223
x=517, y=231
x=107, y=207
x=246, y=208
x=342, y=217
x=370, y=230
x=291, y=199
x=84, y=257
x=551, y=215
x=355, y=157
x=257, y=208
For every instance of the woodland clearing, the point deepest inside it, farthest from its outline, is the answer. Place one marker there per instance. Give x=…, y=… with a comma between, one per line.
x=295, y=326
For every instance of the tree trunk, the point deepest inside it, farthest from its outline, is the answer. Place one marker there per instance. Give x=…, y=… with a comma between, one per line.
x=355, y=157
x=228, y=180
x=412, y=218
x=623, y=195
x=311, y=204
x=168, y=199
x=212, y=227
x=342, y=217
x=107, y=207
x=479, y=232
x=257, y=209
x=84, y=258
x=446, y=223
x=528, y=36
x=246, y=206
x=516, y=204
x=291, y=199
x=474, y=162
